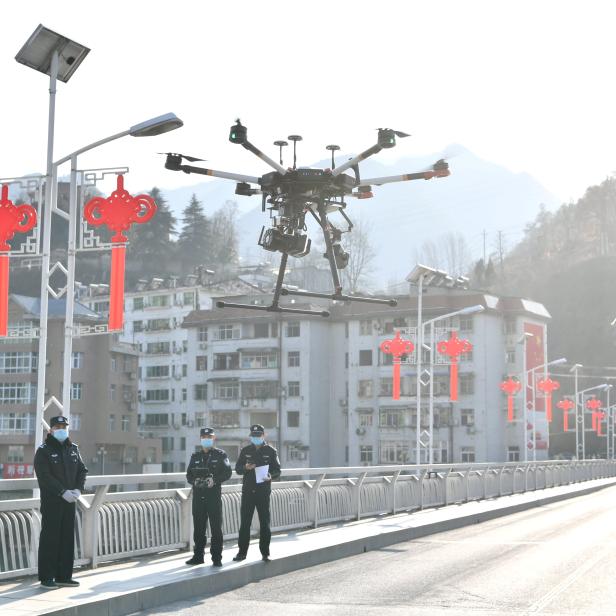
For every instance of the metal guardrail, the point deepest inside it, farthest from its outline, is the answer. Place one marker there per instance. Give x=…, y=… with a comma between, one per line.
x=116, y=525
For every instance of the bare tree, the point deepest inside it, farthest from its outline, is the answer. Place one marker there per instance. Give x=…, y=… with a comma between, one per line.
x=361, y=257
x=449, y=252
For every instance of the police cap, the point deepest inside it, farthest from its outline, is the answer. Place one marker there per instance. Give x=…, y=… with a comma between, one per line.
x=256, y=430
x=58, y=420
x=207, y=432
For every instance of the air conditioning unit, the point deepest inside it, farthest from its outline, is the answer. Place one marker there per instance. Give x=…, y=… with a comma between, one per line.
x=244, y=402
x=128, y=460
x=132, y=406
x=471, y=430
x=176, y=426
x=190, y=424
x=127, y=397
x=360, y=431
x=148, y=460
x=132, y=375
x=343, y=402
x=203, y=345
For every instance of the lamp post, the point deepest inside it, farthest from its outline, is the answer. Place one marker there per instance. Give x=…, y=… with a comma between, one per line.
x=583, y=422
x=101, y=452
x=575, y=369
x=523, y=340
x=464, y=311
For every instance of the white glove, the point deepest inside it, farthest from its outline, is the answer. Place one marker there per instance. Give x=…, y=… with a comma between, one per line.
x=69, y=496
x=77, y=494
x=209, y=482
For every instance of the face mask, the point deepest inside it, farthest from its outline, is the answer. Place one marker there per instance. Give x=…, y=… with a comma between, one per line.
x=207, y=442
x=60, y=435
x=257, y=440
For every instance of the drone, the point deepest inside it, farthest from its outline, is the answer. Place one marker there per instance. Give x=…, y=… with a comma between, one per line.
x=291, y=194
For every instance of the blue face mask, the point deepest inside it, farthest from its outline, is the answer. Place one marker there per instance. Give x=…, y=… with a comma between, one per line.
x=60, y=435
x=207, y=442
x=257, y=440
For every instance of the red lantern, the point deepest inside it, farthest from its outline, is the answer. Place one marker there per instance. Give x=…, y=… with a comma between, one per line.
x=594, y=404
x=547, y=386
x=454, y=347
x=13, y=219
x=566, y=405
x=118, y=212
x=397, y=347
x=511, y=388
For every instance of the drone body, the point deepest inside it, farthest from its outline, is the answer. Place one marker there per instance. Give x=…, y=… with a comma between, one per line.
x=291, y=194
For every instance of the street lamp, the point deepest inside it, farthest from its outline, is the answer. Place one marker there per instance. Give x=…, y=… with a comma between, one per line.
x=149, y=128
x=523, y=340
x=101, y=452
x=575, y=369
x=464, y=311
x=583, y=413
x=608, y=414
x=59, y=57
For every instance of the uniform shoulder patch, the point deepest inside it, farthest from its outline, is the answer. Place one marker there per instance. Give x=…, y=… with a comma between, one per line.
x=227, y=463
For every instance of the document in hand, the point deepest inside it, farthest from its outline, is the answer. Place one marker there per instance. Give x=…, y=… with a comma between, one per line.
x=261, y=473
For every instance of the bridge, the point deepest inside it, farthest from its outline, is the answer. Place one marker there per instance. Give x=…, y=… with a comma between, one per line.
x=131, y=543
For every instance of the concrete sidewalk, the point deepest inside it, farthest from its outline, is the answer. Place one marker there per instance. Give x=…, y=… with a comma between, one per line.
x=130, y=586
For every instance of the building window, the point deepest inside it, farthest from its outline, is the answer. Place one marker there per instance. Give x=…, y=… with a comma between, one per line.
x=466, y=324
x=365, y=454
x=513, y=454
x=201, y=391
x=167, y=443
x=125, y=423
x=157, y=395
x=510, y=356
x=76, y=391
x=225, y=419
x=101, y=306
x=158, y=348
x=467, y=384
x=184, y=394
x=386, y=386
x=364, y=419
x=260, y=389
x=157, y=420
x=188, y=299
x=17, y=393
x=112, y=392
x=226, y=361
x=137, y=326
x=293, y=359
x=364, y=388
x=185, y=370
x=77, y=360
x=509, y=326
x=467, y=417
x=156, y=372
x=467, y=454
x=293, y=419
x=202, y=334
x=137, y=303
x=261, y=330
x=267, y=420
x=17, y=423
x=201, y=363
x=365, y=327
x=200, y=420
x=293, y=330
x=391, y=418
x=259, y=359
x=111, y=424
x=159, y=301
x=293, y=389
x=228, y=332
x=75, y=423
x=393, y=453
x=18, y=362
x=365, y=358
x=157, y=325
x=226, y=390
x=15, y=453
x=295, y=453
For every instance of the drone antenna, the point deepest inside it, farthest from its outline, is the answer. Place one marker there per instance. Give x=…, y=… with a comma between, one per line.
x=332, y=148
x=294, y=139
x=280, y=144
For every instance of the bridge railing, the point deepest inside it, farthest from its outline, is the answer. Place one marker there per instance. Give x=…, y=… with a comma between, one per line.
x=153, y=515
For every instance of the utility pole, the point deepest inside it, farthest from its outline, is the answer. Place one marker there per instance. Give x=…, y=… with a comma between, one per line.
x=485, y=235
x=500, y=256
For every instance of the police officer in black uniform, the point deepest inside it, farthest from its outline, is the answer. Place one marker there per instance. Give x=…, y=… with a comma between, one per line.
x=207, y=470
x=61, y=476
x=254, y=494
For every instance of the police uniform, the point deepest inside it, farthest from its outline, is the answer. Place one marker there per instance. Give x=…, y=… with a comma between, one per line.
x=59, y=470
x=256, y=495
x=207, y=501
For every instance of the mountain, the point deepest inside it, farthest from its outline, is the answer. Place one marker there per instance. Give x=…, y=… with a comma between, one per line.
x=478, y=195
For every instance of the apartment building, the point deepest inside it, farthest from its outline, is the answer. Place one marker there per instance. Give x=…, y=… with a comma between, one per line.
x=103, y=392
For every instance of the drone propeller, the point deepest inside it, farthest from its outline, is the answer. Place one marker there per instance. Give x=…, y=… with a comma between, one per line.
x=190, y=159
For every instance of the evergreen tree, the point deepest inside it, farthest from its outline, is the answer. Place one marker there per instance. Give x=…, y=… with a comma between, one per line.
x=224, y=242
x=194, y=242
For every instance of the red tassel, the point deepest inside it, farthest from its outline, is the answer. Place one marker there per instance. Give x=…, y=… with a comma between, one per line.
x=453, y=381
x=4, y=294
x=509, y=408
x=396, y=391
x=116, y=291
x=565, y=421
x=548, y=408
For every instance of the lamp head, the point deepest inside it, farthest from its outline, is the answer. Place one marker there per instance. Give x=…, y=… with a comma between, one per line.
x=156, y=126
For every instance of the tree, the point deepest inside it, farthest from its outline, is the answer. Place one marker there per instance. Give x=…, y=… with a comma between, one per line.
x=194, y=242
x=449, y=252
x=224, y=243
x=361, y=257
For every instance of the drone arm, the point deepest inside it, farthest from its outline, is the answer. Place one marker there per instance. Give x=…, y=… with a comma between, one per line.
x=257, y=152
x=375, y=149
x=422, y=175
x=249, y=179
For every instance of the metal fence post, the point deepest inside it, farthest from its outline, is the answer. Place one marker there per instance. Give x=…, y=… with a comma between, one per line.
x=185, y=516
x=446, y=488
x=485, y=483
x=392, y=491
x=421, y=488
x=313, y=497
x=358, y=485
x=90, y=524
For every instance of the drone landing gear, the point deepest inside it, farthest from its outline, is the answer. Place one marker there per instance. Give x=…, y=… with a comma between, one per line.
x=340, y=297
x=278, y=291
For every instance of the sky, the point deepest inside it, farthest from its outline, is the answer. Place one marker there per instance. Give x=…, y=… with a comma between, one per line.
x=528, y=85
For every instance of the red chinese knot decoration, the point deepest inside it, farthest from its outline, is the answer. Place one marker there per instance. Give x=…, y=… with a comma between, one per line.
x=118, y=212
x=594, y=404
x=547, y=386
x=511, y=388
x=454, y=347
x=566, y=405
x=13, y=219
x=397, y=347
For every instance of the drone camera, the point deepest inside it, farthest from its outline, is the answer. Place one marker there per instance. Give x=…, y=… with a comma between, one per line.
x=341, y=257
x=276, y=240
x=364, y=192
x=238, y=133
x=387, y=138
x=173, y=162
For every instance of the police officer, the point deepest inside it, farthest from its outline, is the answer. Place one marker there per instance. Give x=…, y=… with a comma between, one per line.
x=61, y=476
x=254, y=494
x=206, y=472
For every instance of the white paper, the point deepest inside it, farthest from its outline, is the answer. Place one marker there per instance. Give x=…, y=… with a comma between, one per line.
x=261, y=473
